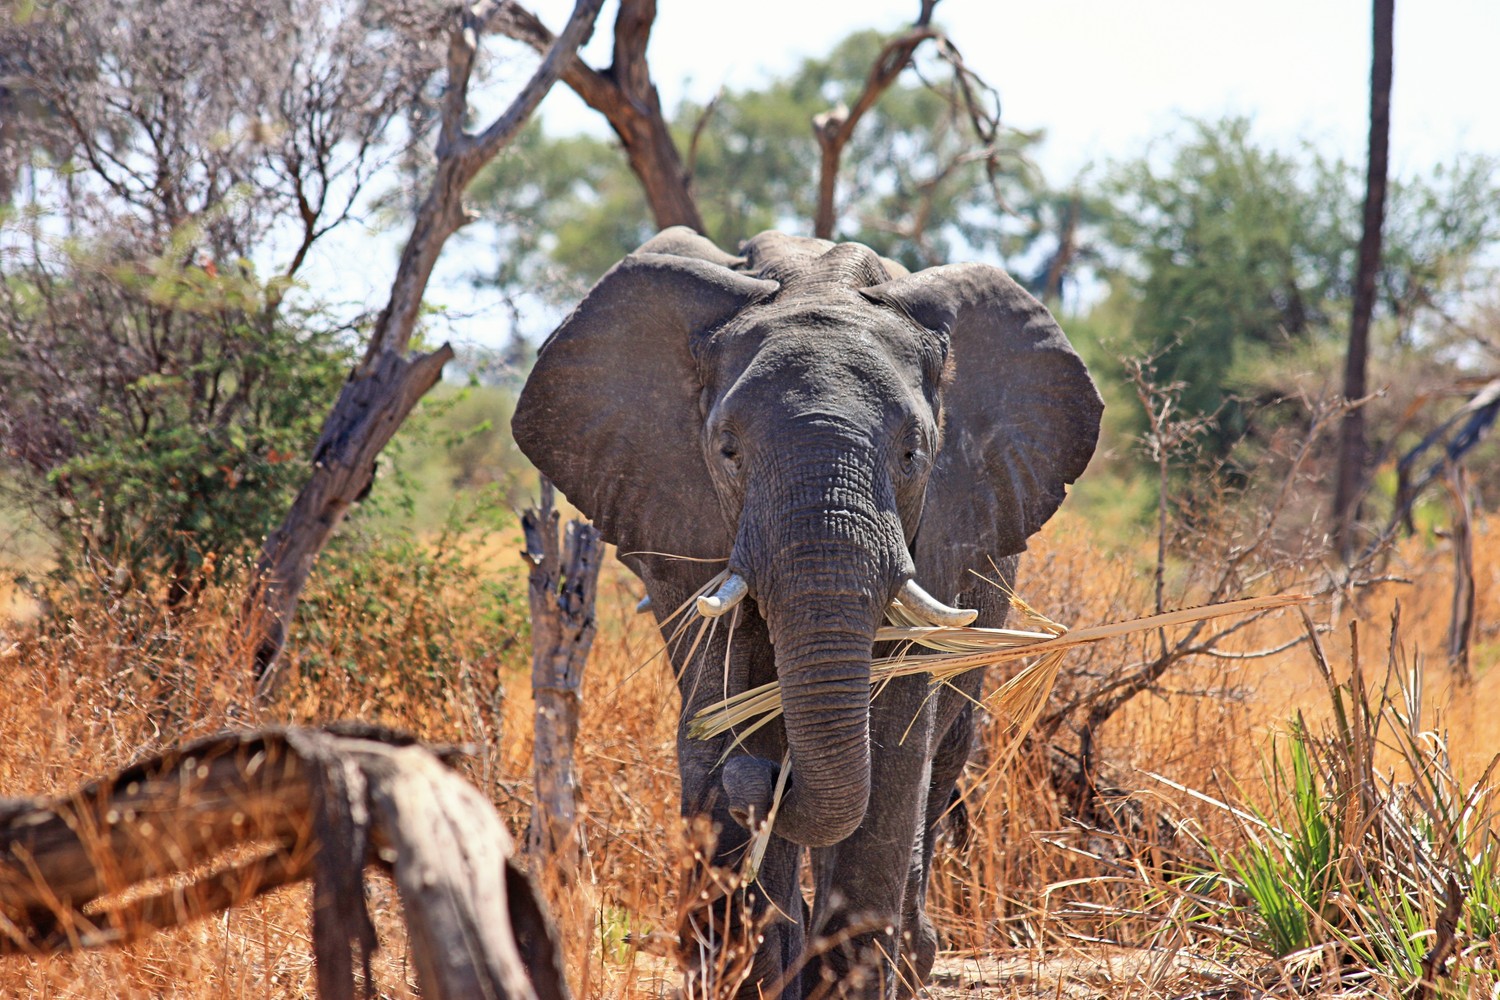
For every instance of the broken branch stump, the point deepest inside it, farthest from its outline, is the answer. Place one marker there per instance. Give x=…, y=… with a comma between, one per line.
x=563, y=586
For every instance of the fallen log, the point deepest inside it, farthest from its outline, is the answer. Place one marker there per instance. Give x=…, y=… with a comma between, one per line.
x=213, y=824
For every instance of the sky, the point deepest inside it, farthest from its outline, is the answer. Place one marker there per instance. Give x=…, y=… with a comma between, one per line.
x=1101, y=78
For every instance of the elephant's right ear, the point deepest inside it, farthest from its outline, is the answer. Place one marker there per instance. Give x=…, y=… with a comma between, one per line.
x=610, y=412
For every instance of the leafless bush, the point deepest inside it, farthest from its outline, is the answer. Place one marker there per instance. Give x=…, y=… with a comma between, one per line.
x=141, y=118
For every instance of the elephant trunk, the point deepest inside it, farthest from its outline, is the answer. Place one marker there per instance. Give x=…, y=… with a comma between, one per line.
x=823, y=594
x=823, y=665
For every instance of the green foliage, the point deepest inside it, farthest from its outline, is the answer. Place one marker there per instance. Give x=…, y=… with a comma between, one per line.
x=565, y=210
x=1235, y=253
x=454, y=452
x=159, y=415
x=1230, y=245
x=1288, y=866
x=1437, y=228
x=618, y=934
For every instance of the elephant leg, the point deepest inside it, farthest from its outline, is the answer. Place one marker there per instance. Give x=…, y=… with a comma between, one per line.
x=919, y=941
x=753, y=935
x=861, y=884
x=955, y=725
x=771, y=909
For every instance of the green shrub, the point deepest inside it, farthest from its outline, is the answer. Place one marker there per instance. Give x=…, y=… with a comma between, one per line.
x=158, y=416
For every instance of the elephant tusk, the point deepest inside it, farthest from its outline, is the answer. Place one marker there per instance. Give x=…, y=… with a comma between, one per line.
x=644, y=605
x=731, y=592
x=931, y=610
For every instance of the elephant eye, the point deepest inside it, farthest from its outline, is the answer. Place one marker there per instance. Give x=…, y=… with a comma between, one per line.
x=913, y=455
x=729, y=451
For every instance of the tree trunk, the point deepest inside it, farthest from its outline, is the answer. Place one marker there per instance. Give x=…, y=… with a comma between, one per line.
x=562, y=590
x=370, y=408
x=1352, y=445
x=388, y=383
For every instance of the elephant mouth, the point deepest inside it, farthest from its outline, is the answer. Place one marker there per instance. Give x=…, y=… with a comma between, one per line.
x=911, y=601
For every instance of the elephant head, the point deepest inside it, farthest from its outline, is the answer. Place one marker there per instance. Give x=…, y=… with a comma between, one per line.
x=833, y=427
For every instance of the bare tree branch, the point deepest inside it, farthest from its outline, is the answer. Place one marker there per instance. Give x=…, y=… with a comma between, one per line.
x=698, y=128
x=833, y=128
x=626, y=97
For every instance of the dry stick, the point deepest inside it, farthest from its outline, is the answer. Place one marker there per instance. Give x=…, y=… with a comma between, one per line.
x=562, y=589
x=388, y=382
x=1462, y=621
x=1446, y=933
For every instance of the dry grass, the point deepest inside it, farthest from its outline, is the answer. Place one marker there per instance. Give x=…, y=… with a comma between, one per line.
x=1033, y=904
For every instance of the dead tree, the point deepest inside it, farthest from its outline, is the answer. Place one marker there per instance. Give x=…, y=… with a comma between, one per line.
x=144, y=850
x=563, y=586
x=389, y=381
x=835, y=127
x=1455, y=437
x=626, y=96
x=1350, y=479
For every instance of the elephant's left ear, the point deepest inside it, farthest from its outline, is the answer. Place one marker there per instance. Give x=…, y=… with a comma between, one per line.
x=1022, y=414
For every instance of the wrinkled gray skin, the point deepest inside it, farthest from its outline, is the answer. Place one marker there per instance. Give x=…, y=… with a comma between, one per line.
x=833, y=426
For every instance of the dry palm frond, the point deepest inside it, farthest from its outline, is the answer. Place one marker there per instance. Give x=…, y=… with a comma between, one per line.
x=959, y=650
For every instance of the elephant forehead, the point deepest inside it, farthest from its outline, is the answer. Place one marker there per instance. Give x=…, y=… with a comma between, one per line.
x=853, y=375
x=814, y=331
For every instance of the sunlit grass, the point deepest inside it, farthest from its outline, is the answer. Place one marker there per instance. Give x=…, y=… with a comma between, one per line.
x=427, y=648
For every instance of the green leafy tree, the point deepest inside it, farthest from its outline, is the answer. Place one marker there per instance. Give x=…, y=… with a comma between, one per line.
x=156, y=413
x=160, y=398
x=1231, y=247
x=1234, y=253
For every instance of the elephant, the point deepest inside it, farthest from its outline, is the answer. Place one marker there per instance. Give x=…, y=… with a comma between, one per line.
x=839, y=433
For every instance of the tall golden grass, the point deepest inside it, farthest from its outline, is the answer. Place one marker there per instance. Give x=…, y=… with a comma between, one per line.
x=1030, y=902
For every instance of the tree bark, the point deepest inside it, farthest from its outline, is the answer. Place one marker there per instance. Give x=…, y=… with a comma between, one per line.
x=626, y=97
x=1461, y=622
x=388, y=382
x=1352, y=443
x=325, y=805
x=563, y=586
x=1067, y=249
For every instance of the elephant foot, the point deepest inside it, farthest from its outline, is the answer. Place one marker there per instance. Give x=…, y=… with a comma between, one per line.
x=748, y=942
x=919, y=946
x=740, y=943
x=848, y=964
